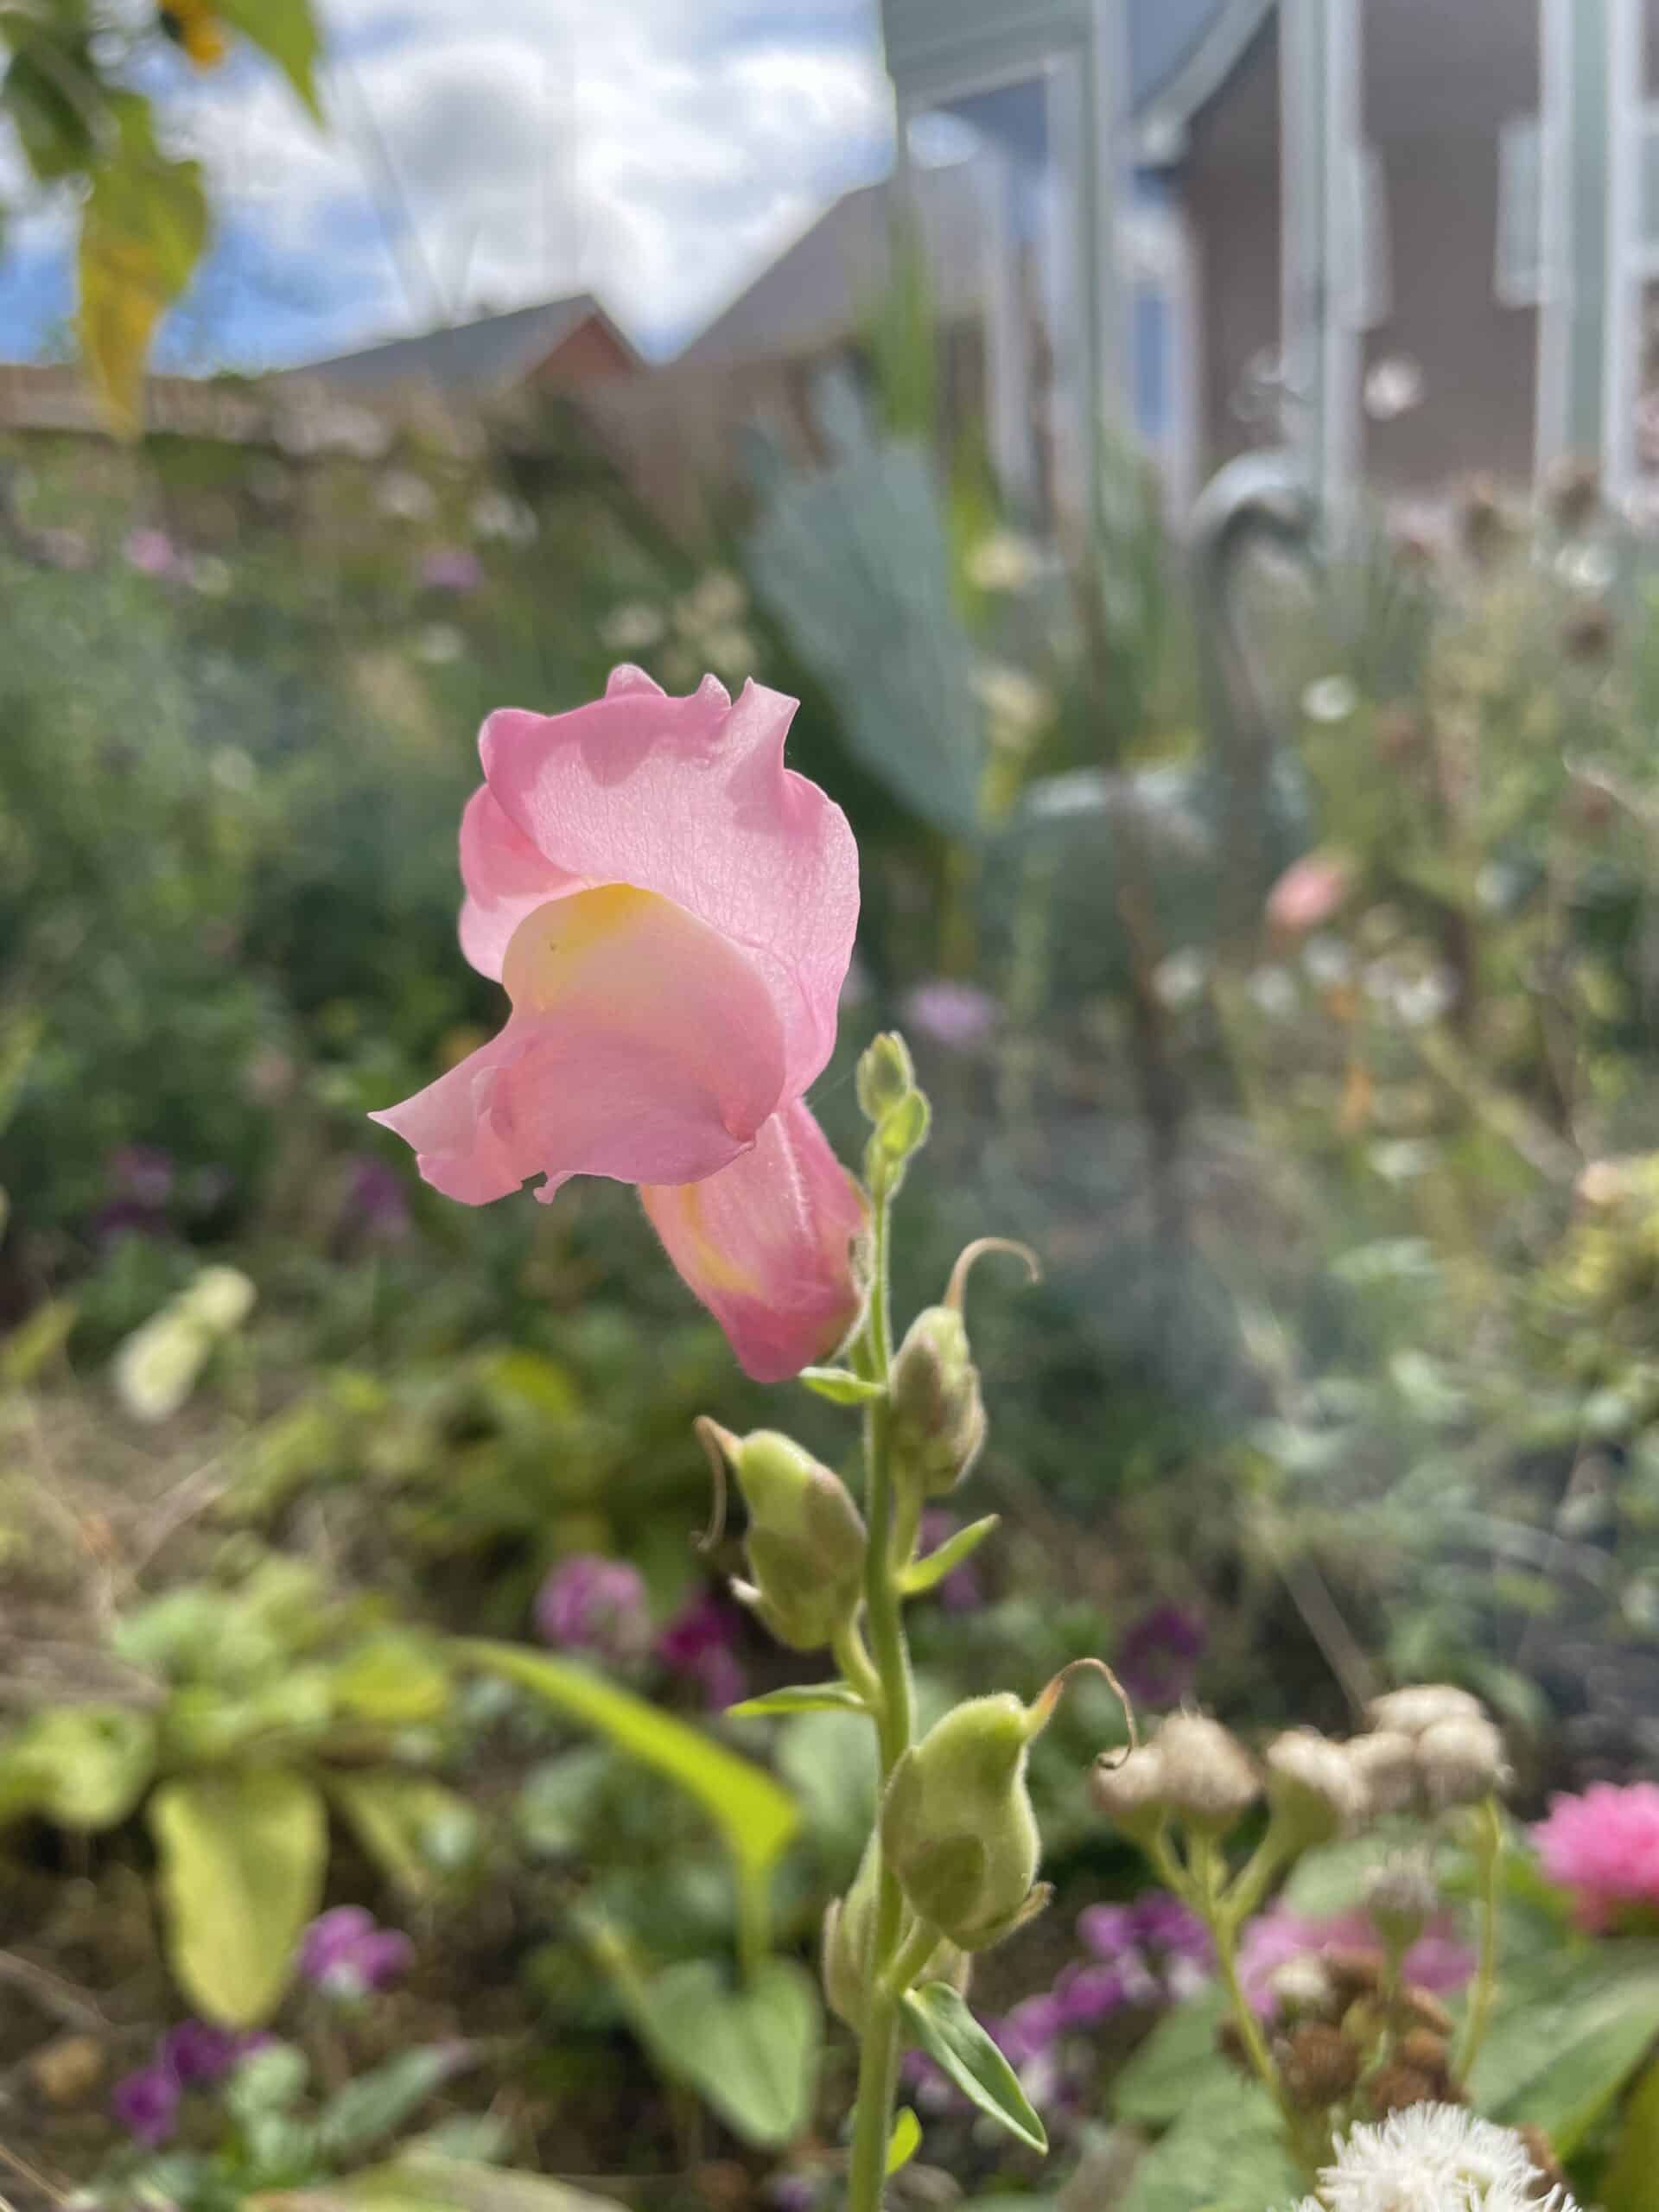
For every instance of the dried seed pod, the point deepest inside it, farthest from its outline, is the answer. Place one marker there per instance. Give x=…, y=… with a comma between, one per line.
x=1130, y=1790
x=1461, y=1761
x=1314, y=1786
x=1422, y=1705
x=1386, y=1763
x=1208, y=1779
x=1395, y=2088
x=1319, y=2066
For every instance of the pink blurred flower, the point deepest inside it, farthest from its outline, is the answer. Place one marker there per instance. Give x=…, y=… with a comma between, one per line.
x=700, y=1644
x=153, y=553
x=146, y=2104
x=347, y=1953
x=1604, y=1846
x=451, y=567
x=1309, y=892
x=671, y=912
x=589, y=1603
x=1437, y=1962
x=954, y=1015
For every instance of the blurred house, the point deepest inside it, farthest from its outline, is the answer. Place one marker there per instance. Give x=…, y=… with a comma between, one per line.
x=1409, y=238
x=552, y=347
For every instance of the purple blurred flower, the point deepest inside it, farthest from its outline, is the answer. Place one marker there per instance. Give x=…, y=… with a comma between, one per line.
x=348, y=1954
x=1163, y=1923
x=152, y=553
x=1157, y=1658
x=589, y=1603
x=1157, y=1949
x=960, y=1592
x=1084, y=1996
x=146, y=2104
x=952, y=1014
x=1438, y=1962
x=197, y=2054
x=700, y=1644
x=376, y=1203
x=451, y=567
x=1027, y=2030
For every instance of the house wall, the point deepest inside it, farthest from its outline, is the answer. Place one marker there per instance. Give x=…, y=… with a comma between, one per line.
x=591, y=350
x=1229, y=186
x=1437, y=83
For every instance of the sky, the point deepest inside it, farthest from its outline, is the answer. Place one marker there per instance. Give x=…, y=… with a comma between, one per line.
x=487, y=154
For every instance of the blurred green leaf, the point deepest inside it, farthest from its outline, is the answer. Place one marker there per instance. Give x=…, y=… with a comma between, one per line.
x=35, y=1342
x=752, y=2051
x=242, y=1860
x=144, y=227
x=83, y=1766
x=1224, y=2154
x=375, y=2105
x=904, y=2141
x=940, y=2022
x=422, y=2182
x=412, y=1828
x=839, y=1387
x=394, y=1680
x=1568, y=2031
x=1628, y=2183
x=756, y=1815
x=927, y=1573
x=287, y=31
x=1178, y=2065
x=53, y=99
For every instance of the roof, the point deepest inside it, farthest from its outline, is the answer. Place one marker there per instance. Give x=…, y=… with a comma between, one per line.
x=476, y=358
x=828, y=280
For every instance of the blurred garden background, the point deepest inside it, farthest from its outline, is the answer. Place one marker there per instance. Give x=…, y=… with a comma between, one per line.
x=1262, y=876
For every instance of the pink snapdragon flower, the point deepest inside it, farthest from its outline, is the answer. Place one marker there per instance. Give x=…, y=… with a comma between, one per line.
x=1604, y=1846
x=671, y=912
x=589, y=1603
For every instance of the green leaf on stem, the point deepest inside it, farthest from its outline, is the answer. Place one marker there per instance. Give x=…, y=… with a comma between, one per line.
x=1226, y=2152
x=1178, y=2065
x=841, y=1386
x=942, y=2025
x=805, y=1697
x=757, y=1816
x=241, y=1855
x=414, y=1829
x=378, y=2104
x=905, y=2140
x=926, y=1573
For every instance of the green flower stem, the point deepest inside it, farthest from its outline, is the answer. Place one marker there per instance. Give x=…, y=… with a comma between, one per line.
x=856, y=1668
x=1201, y=1889
x=1489, y=1852
x=895, y=1722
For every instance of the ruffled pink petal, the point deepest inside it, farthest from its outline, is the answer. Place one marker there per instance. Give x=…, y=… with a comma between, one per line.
x=642, y=1045
x=689, y=797
x=506, y=880
x=766, y=1243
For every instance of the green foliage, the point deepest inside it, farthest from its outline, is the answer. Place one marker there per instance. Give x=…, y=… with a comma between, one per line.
x=142, y=230
x=241, y=1856
x=941, y=2024
x=1570, y=2030
x=1224, y=2152
x=751, y=2050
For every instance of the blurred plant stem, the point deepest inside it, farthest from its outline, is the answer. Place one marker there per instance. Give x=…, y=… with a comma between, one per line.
x=1489, y=1855
x=896, y=1723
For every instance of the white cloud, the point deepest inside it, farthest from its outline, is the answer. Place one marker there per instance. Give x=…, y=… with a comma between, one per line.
x=651, y=149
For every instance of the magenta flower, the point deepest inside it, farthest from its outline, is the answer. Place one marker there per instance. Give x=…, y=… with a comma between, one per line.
x=671, y=912
x=1438, y=1963
x=146, y=2104
x=700, y=1644
x=374, y=1203
x=152, y=553
x=346, y=1953
x=1309, y=892
x=198, y=2056
x=451, y=567
x=1604, y=1846
x=954, y=1015
x=591, y=1604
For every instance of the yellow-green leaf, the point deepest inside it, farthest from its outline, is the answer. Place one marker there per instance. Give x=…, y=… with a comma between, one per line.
x=144, y=227
x=905, y=2140
x=413, y=1828
x=242, y=1858
x=287, y=31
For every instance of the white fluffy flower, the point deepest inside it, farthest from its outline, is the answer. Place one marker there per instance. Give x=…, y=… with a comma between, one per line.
x=1433, y=2158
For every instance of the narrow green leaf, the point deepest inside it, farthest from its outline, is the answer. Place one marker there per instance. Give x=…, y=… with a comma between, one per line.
x=805, y=1697
x=926, y=1572
x=413, y=1828
x=1224, y=2153
x=757, y=1816
x=1568, y=2033
x=29, y=1348
x=904, y=2141
x=954, y=2040
x=287, y=31
x=840, y=1386
x=242, y=1858
x=422, y=2181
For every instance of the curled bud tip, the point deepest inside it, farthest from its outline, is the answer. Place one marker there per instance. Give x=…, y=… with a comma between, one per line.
x=721, y=1447
x=956, y=1289
x=1043, y=1706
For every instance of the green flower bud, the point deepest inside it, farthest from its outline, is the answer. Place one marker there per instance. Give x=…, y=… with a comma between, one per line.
x=805, y=1541
x=849, y=1931
x=886, y=1076
x=956, y=1823
x=938, y=1413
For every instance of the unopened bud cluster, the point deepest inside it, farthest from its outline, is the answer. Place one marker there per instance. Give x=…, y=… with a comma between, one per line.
x=805, y=1541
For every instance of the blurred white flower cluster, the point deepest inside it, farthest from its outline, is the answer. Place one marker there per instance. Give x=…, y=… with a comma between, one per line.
x=1435, y=2158
x=703, y=629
